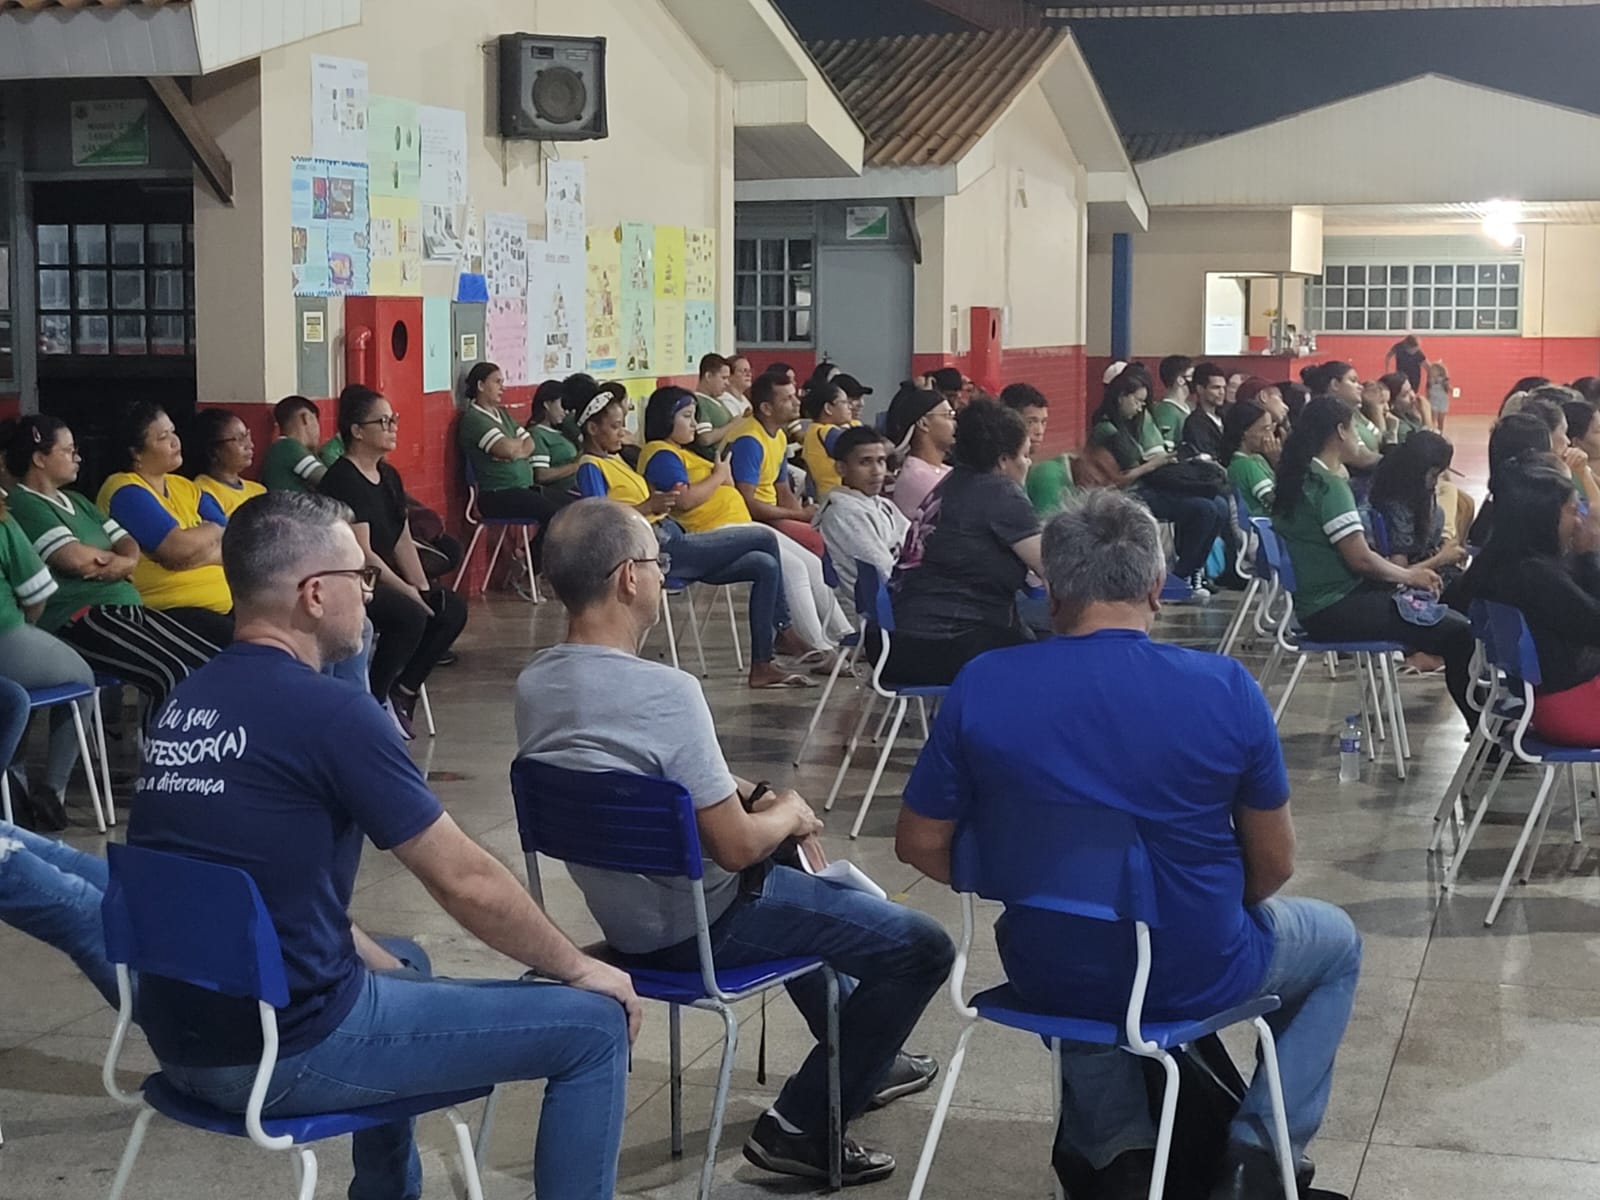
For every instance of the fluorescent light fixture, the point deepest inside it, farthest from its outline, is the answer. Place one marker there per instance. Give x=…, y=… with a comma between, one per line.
x=1500, y=219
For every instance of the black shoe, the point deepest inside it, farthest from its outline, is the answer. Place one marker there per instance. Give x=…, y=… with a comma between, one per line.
x=1248, y=1174
x=403, y=709
x=908, y=1075
x=806, y=1155
x=447, y=659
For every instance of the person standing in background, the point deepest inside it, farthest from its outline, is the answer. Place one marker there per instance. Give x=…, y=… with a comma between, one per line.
x=1409, y=360
x=1438, y=393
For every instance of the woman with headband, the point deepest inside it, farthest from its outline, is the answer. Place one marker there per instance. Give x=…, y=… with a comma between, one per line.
x=736, y=554
x=707, y=500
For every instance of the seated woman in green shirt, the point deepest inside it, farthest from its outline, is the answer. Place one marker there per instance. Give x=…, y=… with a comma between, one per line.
x=1344, y=589
x=501, y=452
x=555, y=455
x=1250, y=447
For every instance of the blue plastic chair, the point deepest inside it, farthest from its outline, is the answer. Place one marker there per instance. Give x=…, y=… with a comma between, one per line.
x=526, y=527
x=205, y=924
x=72, y=694
x=641, y=825
x=1509, y=644
x=1080, y=861
x=875, y=613
x=1374, y=660
x=850, y=644
x=1243, y=564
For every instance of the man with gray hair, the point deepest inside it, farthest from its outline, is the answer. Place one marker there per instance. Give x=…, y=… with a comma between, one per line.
x=1085, y=720
x=592, y=704
x=259, y=762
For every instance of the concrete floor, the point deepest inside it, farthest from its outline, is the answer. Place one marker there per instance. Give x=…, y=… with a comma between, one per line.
x=1465, y=1075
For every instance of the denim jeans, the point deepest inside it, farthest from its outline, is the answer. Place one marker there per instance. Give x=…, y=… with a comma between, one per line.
x=14, y=713
x=895, y=958
x=1315, y=962
x=410, y=1034
x=52, y=892
x=1197, y=522
x=734, y=554
x=36, y=659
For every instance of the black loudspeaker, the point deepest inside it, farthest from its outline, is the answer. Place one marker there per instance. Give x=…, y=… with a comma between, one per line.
x=552, y=89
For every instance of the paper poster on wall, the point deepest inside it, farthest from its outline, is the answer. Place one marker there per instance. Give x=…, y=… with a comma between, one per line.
x=669, y=358
x=638, y=334
x=328, y=214
x=602, y=306
x=699, y=331
x=110, y=133
x=472, y=243
x=638, y=260
x=669, y=263
x=564, y=204
x=505, y=332
x=394, y=147
x=436, y=336
x=699, y=264
x=505, y=255
x=639, y=391
x=338, y=108
x=396, y=247
x=444, y=155
x=555, y=306
x=441, y=232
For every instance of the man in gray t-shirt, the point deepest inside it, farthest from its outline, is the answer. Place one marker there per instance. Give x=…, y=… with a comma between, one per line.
x=591, y=704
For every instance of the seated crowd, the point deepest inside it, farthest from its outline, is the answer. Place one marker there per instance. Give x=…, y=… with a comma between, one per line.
x=249, y=601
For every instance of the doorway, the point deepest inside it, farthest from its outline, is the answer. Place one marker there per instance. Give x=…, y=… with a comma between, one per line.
x=864, y=314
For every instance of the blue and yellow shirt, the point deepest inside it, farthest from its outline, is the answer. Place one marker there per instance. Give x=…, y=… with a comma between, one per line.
x=757, y=457
x=609, y=476
x=666, y=465
x=150, y=516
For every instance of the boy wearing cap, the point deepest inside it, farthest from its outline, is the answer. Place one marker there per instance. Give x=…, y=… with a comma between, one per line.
x=922, y=427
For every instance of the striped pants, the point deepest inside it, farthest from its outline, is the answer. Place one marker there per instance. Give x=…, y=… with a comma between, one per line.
x=146, y=649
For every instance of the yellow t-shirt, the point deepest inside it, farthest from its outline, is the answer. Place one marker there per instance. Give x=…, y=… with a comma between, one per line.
x=818, y=459
x=226, y=495
x=757, y=457
x=725, y=506
x=195, y=587
x=613, y=478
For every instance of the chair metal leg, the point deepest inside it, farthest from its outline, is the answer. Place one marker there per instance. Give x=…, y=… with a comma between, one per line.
x=899, y=707
x=1398, y=715
x=1538, y=836
x=930, y=1144
x=141, y=1126
x=88, y=766
x=835, y=1099
x=1522, y=845
x=427, y=710
x=869, y=701
x=5, y=794
x=1454, y=868
x=672, y=637
x=694, y=632
x=1270, y=666
x=1294, y=680
x=733, y=628
x=1577, y=816
x=822, y=703
x=1332, y=661
x=1169, y=1111
x=1467, y=771
x=675, y=1075
x=305, y=1170
x=105, y=762
x=469, y=1161
x=1367, y=705
x=1370, y=682
x=466, y=559
x=1236, y=626
x=922, y=712
x=480, y=1152
x=1391, y=688
x=533, y=576
x=495, y=556
x=730, y=1041
x=877, y=735
x=1055, y=1104
x=1280, y=1119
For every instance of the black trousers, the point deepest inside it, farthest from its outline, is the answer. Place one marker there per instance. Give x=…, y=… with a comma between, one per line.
x=410, y=641
x=534, y=504
x=937, y=661
x=146, y=649
x=213, y=627
x=440, y=556
x=1368, y=614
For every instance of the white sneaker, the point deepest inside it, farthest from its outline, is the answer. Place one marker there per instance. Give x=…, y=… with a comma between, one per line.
x=1197, y=585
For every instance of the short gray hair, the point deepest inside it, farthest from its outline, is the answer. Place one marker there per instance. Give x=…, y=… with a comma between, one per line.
x=585, y=544
x=1102, y=548
x=277, y=536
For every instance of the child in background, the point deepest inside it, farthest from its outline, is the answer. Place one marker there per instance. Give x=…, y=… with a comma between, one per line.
x=1438, y=392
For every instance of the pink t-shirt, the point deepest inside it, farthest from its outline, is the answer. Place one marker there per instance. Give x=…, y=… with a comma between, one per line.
x=916, y=479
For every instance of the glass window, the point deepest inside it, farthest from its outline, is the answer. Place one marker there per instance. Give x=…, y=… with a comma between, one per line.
x=1397, y=297
x=89, y=242
x=772, y=290
x=143, y=305
x=54, y=249
x=127, y=245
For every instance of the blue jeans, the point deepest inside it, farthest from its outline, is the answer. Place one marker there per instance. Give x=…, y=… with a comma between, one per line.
x=895, y=958
x=14, y=713
x=736, y=554
x=1315, y=962
x=52, y=892
x=36, y=659
x=1197, y=522
x=410, y=1034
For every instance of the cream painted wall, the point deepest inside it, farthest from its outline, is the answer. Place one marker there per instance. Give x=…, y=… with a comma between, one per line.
x=1015, y=238
x=1569, y=290
x=669, y=159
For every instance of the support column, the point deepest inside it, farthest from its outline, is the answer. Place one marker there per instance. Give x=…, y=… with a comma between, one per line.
x=1121, y=295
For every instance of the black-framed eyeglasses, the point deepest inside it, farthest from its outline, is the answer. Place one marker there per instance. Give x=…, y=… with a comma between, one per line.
x=368, y=576
x=392, y=421
x=241, y=438
x=662, y=560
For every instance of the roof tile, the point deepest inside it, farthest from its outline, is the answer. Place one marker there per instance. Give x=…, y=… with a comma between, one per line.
x=925, y=100
x=38, y=5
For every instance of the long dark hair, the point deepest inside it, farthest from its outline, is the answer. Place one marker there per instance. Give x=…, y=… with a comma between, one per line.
x=356, y=403
x=1512, y=438
x=35, y=434
x=660, y=410
x=200, y=447
x=1318, y=376
x=1402, y=477
x=476, y=376
x=1321, y=418
x=1236, y=422
x=1125, y=384
x=1527, y=520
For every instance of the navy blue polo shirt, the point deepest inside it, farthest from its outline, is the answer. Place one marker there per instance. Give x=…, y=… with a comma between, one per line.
x=260, y=763
x=1175, y=738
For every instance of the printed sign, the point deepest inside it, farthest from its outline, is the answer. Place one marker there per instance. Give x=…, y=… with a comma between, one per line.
x=110, y=133
x=312, y=329
x=867, y=223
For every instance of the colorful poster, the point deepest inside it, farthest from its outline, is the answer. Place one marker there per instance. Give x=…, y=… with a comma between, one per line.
x=396, y=247
x=669, y=263
x=700, y=264
x=602, y=305
x=564, y=204
x=110, y=133
x=638, y=260
x=442, y=226
x=637, y=354
x=394, y=147
x=669, y=359
x=699, y=331
x=443, y=135
x=556, y=329
x=435, y=344
x=505, y=329
x=505, y=257
x=328, y=216
x=338, y=108
x=472, y=243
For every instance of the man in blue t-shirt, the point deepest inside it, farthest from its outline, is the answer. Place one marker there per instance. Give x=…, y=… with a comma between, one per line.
x=1212, y=810
x=259, y=762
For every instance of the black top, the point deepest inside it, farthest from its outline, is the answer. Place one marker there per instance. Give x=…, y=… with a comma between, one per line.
x=1409, y=363
x=958, y=571
x=1202, y=434
x=380, y=506
x=1562, y=614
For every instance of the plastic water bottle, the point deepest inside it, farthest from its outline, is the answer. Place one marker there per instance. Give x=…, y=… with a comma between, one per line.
x=1350, y=750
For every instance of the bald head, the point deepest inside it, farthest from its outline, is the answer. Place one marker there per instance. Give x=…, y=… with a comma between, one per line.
x=586, y=543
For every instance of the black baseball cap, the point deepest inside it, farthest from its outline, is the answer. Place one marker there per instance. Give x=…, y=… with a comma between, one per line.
x=908, y=407
x=850, y=385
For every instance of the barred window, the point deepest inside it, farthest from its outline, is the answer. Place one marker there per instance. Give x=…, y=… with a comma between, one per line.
x=1460, y=297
